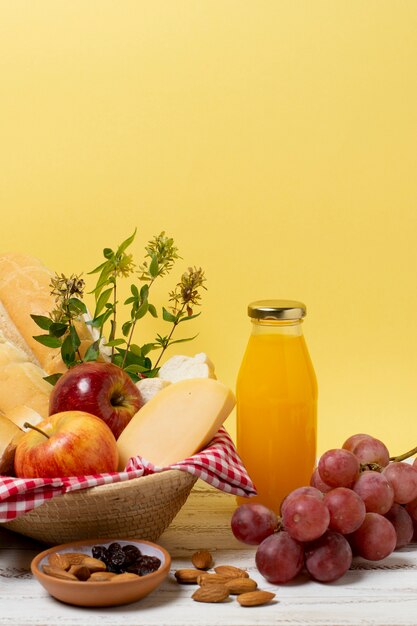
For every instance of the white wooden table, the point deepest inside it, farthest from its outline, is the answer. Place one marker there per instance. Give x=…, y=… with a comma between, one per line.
x=380, y=594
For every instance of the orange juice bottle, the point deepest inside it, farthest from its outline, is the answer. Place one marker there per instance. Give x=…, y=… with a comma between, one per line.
x=276, y=402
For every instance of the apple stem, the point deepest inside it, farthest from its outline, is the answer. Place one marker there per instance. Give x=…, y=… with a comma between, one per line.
x=27, y=425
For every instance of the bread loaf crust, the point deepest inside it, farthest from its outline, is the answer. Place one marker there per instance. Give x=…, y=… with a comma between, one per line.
x=25, y=291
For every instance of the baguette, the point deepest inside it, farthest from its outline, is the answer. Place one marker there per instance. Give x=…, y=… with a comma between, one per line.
x=25, y=290
x=21, y=381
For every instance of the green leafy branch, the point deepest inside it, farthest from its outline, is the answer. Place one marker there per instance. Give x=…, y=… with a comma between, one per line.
x=66, y=319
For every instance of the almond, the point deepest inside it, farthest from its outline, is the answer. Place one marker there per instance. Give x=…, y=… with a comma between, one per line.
x=59, y=560
x=80, y=571
x=208, y=579
x=57, y=572
x=99, y=577
x=75, y=558
x=211, y=593
x=255, y=598
x=202, y=559
x=119, y=578
x=94, y=565
x=187, y=576
x=230, y=571
x=236, y=586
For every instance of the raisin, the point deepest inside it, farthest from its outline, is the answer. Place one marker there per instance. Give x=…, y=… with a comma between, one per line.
x=114, y=547
x=100, y=552
x=144, y=565
x=132, y=554
x=116, y=561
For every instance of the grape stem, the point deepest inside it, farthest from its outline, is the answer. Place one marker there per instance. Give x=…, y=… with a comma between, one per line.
x=404, y=456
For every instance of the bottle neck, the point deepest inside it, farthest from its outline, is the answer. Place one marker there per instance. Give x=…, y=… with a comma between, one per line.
x=277, y=327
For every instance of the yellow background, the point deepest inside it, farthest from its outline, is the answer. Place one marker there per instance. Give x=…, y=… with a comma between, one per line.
x=274, y=140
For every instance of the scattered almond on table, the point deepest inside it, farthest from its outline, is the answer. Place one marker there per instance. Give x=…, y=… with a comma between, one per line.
x=226, y=580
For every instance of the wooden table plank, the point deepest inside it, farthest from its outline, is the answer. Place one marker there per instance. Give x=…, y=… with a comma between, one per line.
x=370, y=594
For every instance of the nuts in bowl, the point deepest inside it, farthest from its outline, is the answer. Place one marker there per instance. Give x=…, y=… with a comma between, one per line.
x=101, y=572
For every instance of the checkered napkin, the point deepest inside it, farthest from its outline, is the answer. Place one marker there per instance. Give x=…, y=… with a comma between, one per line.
x=218, y=464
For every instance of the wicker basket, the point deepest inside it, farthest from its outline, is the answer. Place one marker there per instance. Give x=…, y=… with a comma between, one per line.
x=138, y=508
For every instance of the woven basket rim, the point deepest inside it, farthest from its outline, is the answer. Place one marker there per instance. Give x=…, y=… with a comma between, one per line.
x=132, y=483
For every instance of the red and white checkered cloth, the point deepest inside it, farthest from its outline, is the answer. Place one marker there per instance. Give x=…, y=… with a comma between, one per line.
x=219, y=465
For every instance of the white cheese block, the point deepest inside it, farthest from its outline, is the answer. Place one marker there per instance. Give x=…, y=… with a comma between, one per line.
x=176, y=423
x=149, y=387
x=180, y=367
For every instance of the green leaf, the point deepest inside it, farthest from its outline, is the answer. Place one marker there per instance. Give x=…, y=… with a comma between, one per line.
x=126, y=243
x=169, y=317
x=188, y=317
x=152, y=310
x=103, y=279
x=135, y=368
x=152, y=373
x=102, y=301
x=47, y=340
x=182, y=340
x=144, y=292
x=147, y=347
x=67, y=351
x=112, y=330
x=77, y=306
x=92, y=352
x=75, y=340
x=99, y=321
x=115, y=342
x=137, y=350
x=98, y=268
x=57, y=329
x=42, y=321
x=108, y=253
x=52, y=379
x=135, y=291
x=130, y=300
x=153, y=266
x=142, y=310
x=126, y=328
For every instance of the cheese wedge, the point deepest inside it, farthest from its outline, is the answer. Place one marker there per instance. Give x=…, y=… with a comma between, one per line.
x=176, y=423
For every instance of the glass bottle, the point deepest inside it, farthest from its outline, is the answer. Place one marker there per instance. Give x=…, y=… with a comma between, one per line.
x=276, y=402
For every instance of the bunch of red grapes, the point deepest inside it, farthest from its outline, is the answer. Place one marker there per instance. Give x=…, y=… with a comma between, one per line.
x=359, y=502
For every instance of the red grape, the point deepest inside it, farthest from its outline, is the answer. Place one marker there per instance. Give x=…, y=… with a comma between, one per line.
x=403, y=479
x=318, y=483
x=402, y=523
x=252, y=523
x=376, y=538
x=347, y=510
x=339, y=468
x=375, y=491
x=352, y=441
x=412, y=510
x=301, y=491
x=370, y=450
x=305, y=518
x=279, y=558
x=329, y=557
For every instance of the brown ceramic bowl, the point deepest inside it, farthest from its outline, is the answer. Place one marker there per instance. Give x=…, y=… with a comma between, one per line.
x=101, y=593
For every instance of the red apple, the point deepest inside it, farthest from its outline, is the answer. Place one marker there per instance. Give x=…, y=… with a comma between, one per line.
x=71, y=443
x=102, y=389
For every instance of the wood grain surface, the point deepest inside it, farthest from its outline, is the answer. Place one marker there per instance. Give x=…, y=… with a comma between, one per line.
x=370, y=594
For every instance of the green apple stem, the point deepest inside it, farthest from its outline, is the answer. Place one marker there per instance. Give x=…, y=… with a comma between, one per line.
x=27, y=425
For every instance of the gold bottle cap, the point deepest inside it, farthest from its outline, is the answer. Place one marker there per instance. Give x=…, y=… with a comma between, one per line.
x=276, y=310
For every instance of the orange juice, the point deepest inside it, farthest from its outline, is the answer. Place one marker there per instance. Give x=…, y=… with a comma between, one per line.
x=276, y=403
